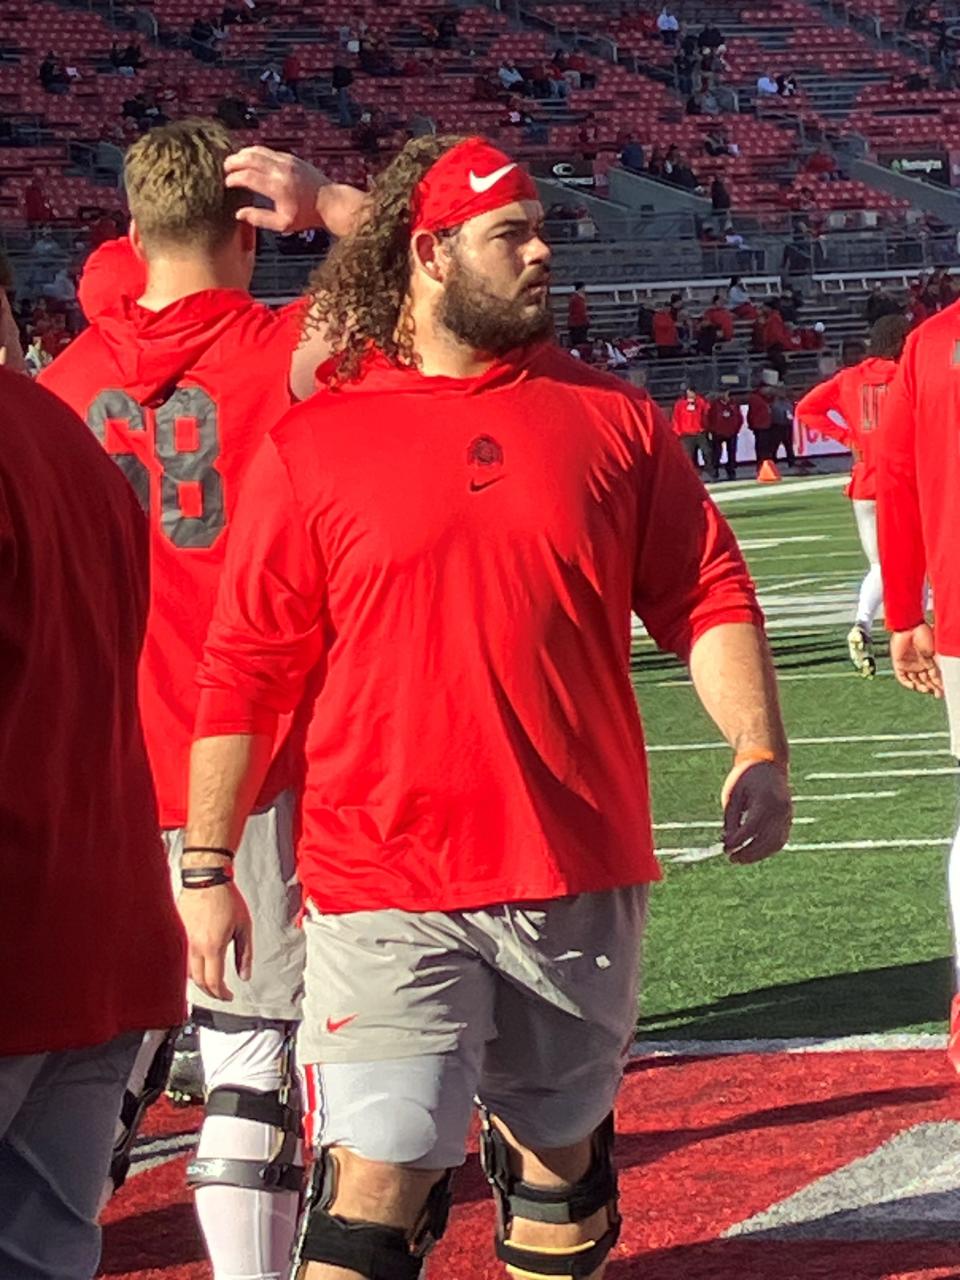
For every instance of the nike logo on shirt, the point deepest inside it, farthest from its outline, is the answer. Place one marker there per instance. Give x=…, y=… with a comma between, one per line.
x=476, y=486
x=340, y=1022
x=481, y=185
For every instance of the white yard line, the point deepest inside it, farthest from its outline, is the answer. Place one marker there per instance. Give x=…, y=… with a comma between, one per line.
x=778, y=540
x=885, y=773
x=827, y=846
x=846, y=795
x=711, y=824
x=807, y=742
x=782, y=676
x=745, y=490
x=884, y=1042
x=893, y=755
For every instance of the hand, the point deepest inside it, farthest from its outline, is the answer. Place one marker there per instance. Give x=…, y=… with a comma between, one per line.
x=757, y=811
x=301, y=197
x=913, y=654
x=213, y=918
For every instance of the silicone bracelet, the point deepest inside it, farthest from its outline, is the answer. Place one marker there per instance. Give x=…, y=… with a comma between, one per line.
x=205, y=877
x=208, y=848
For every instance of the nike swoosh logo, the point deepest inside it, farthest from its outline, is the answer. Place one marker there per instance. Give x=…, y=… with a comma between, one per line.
x=477, y=486
x=333, y=1027
x=481, y=185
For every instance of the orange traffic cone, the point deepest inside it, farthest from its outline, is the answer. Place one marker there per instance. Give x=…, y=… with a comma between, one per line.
x=768, y=473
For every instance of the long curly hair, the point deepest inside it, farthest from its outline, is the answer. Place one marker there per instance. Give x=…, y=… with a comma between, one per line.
x=358, y=294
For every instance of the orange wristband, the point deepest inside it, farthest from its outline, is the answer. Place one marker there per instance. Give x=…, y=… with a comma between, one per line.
x=754, y=757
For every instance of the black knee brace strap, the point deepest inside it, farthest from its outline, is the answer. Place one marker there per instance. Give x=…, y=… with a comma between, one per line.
x=134, y=1106
x=596, y=1190
x=281, y=1172
x=375, y=1251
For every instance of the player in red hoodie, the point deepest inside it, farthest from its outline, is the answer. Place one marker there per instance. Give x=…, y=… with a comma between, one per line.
x=689, y=422
x=918, y=481
x=180, y=379
x=849, y=407
x=455, y=532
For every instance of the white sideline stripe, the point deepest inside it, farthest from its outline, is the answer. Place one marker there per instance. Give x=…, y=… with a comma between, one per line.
x=747, y=489
x=849, y=674
x=808, y=742
x=773, y=540
x=847, y=795
x=886, y=773
x=711, y=825
x=886, y=1042
x=893, y=755
x=856, y=554
x=825, y=846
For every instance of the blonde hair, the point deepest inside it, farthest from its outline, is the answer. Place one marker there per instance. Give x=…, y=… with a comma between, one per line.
x=175, y=186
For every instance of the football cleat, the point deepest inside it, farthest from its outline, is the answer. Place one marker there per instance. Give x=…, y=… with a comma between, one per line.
x=953, y=1043
x=185, y=1082
x=860, y=648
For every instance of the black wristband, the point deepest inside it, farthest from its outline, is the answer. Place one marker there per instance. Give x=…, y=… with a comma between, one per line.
x=205, y=877
x=208, y=848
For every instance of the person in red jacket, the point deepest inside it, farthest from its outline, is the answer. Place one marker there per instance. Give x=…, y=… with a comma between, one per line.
x=91, y=951
x=473, y=745
x=723, y=427
x=918, y=479
x=666, y=336
x=720, y=317
x=849, y=408
x=180, y=380
x=760, y=415
x=689, y=422
x=578, y=316
x=777, y=338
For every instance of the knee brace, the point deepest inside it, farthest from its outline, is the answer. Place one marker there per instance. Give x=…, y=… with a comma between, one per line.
x=375, y=1251
x=157, y=1051
x=278, y=1109
x=596, y=1190
x=185, y=1079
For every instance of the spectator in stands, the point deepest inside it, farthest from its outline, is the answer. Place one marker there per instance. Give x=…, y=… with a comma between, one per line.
x=711, y=38
x=203, y=43
x=230, y=15
x=739, y=299
x=447, y=29
x=720, y=317
x=918, y=306
x=822, y=164
x=704, y=103
x=237, y=114
x=45, y=245
x=689, y=423
x=668, y=26
x=131, y=58
x=342, y=79
x=880, y=303
x=787, y=86
x=917, y=17
x=36, y=207
x=376, y=59
x=632, y=157
x=421, y=126
x=781, y=426
x=367, y=134
x=275, y=92
x=791, y=304
x=940, y=289
x=716, y=143
x=724, y=421
x=720, y=197
x=53, y=74
x=511, y=77
x=777, y=338
x=760, y=415
x=292, y=73
x=686, y=66
x=578, y=316
x=665, y=333
x=62, y=288
x=657, y=166
x=767, y=87
x=645, y=321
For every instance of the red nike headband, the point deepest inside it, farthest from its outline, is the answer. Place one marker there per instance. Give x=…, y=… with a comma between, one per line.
x=471, y=178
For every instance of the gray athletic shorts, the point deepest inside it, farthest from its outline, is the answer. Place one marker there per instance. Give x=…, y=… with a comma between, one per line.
x=410, y=1016
x=267, y=877
x=950, y=673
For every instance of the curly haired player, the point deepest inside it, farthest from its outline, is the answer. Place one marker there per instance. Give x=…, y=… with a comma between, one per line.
x=444, y=546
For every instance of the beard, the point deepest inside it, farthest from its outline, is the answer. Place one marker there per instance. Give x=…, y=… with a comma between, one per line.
x=487, y=322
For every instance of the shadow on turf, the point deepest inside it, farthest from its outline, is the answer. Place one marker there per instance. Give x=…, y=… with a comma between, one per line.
x=867, y=1001
x=157, y=1238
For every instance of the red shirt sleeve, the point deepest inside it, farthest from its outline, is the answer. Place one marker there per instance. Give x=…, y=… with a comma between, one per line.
x=689, y=574
x=902, y=554
x=267, y=631
x=816, y=404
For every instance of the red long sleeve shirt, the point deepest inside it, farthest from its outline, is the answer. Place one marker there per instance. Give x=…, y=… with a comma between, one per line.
x=181, y=398
x=90, y=943
x=456, y=561
x=918, y=480
x=724, y=419
x=665, y=332
x=848, y=408
x=690, y=416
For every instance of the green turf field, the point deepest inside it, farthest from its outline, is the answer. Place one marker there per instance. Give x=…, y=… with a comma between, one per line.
x=820, y=941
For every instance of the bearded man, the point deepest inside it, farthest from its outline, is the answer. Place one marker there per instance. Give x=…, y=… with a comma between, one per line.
x=435, y=560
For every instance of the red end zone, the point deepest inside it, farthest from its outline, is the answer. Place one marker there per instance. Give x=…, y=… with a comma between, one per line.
x=827, y=1165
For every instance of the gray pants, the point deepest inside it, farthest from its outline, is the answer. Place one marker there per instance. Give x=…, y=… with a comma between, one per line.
x=58, y=1116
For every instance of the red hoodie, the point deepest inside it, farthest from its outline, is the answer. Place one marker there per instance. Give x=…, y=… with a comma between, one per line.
x=463, y=555
x=690, y=417
x=181, y=398
x=848, y=408
x=90, y=945
x=918, y=480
